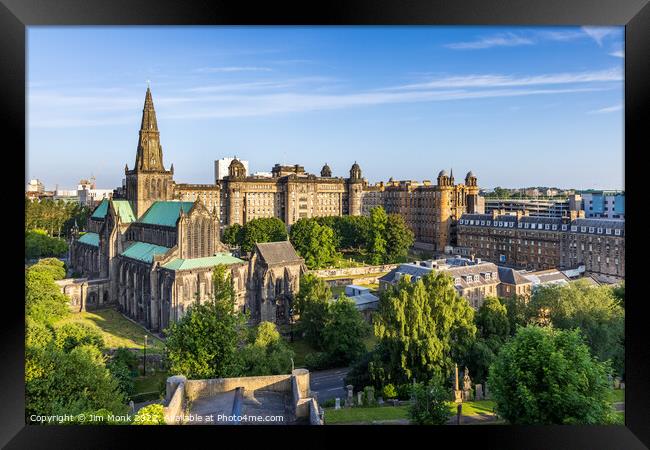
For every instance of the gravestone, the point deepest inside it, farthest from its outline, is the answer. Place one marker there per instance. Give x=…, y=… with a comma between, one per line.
x=132, y=407
x=479, y=392
x=617, y=383
x=337, y=403
x=370, y=395
x=486, y=392
x=380, y=401
x=622, y=385
x=359, y=398
x=349, y=398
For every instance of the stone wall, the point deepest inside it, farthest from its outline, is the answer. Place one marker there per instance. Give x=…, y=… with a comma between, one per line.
x=175, y=400
x=205, y=388
x=354, y=271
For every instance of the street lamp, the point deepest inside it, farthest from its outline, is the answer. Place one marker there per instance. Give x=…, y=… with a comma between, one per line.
x=144, y=364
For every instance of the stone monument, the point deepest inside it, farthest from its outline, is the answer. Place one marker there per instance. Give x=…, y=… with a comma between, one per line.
x=337, y=403
x=467, y=386
x=359, y=398
x=349, y=399
x=458, y=395
x=486, y=392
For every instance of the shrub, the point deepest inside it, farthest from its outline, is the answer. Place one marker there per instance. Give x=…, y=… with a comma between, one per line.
x=150, y=415
x=404, y=391
x=317, y=361
x=429, y=405
x=71, y=335
x=389, y=391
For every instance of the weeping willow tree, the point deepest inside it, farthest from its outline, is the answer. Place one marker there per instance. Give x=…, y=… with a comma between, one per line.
x=424, y=326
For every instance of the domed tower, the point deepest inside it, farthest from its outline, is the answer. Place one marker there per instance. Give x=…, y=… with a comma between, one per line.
x=326, y=172
x=236, y=169
x=443, y=178
x=474, y=203
x=355, y=172
x=355, y=190
x=470, y=179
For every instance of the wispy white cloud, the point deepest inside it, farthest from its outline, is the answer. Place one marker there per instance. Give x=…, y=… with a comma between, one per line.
x=502, y=40
x=496, y=80
x=608, y=109
x=618, y=54
x=598, y=33
x=233, y=69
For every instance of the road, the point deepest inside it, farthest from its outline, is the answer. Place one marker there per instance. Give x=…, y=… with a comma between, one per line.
x=329, y=383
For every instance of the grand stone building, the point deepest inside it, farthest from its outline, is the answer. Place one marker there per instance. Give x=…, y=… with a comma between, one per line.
x=430, y=210
x=153, y=254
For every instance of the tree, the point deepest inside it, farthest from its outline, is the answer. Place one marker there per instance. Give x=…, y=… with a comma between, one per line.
x=492, y=320
x=518, y=311
x=44, y=301
x=618, y=290
x=594, y=310
x=312, y=288
x=430, y=404
x=266, y=229
x=74, y=382
x=344, y=332
x=399, y=238
x=377, y=240
x=425, y=326
x=71, y=335
x=266, y=352
x=314, y=242
x=547, y=376
x=233, y=235
x=39, y=244
x=204, y=342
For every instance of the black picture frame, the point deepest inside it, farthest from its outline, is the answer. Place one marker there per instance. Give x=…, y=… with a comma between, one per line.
x=16, y=15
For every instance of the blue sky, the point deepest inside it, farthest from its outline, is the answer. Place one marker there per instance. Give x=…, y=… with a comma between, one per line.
x=518, y=106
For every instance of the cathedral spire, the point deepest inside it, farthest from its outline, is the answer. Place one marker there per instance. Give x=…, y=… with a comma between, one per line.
x=149, y=155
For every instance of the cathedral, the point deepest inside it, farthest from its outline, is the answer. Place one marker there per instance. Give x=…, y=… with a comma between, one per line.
x=152, y=253
x=151, y=248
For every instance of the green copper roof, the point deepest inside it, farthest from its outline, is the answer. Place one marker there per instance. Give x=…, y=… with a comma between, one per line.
x=143, y=251
x=123, y=209
x=165, y=212
x=101, y=210
x=90, y=239
x=197, y=263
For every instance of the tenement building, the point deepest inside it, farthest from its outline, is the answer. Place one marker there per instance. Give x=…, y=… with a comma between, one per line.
x=153, y=254
x=539, y=243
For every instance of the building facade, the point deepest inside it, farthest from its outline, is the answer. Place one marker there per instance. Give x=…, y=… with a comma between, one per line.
x=153, y=255
x=533, y=207
x=603, y=204
x=540, y=243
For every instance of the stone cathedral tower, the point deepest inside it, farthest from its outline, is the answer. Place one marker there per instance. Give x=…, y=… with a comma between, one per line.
x=148, y=181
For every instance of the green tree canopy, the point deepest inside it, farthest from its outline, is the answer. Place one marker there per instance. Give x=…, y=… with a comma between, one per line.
x=430, y=404
x=594, y=310
x=547, y=376
x=424, y=326
x=399, y=238
x=314, y=242
x=266, y=353
x=344, y=332
x=233, y=235
x=44, y=301
x=266, y=229
x=38, y=244
x=204, y=343
x=377, y=235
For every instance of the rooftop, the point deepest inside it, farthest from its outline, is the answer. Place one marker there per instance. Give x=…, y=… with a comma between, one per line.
x=144, y=251
x=278, y=252
x=101, y=210
x=124, y=211
x=165, y=213
x=90, y=239
x=198, y=263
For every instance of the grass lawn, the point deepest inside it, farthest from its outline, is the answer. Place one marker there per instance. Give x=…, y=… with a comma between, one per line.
x=118, y=331
x=368, y=415
x=149, y=387
x=617, y=395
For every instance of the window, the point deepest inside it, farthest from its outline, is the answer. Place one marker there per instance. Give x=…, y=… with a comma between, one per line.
x=600, y=231
x=482, y=222
x=519, y=225
x=574, y=228
x=583, y=229
x=526, y=225
x=547, y=227
x=617, y=232
x=591, y=229
x=555, y=227
x=489, y=222
x=608, y=231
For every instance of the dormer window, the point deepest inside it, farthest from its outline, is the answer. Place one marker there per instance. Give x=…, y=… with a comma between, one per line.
x=527, y=225
x=564, y=227
x=519, y=225
x=457, y=280
x=554, y=227
x=547, y=227
x=482, y=222
x=617, y=232
x=489, y=222
x=583, y=229
x=608, y=231
x=600, y=230
x=591, y=229
x=574, y=228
